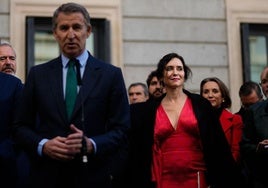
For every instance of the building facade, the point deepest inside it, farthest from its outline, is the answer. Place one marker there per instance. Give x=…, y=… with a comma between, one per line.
x=214, y=36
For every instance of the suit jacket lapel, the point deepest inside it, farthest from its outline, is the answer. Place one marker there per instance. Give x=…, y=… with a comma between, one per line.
x=90, y=79
x=57, y=87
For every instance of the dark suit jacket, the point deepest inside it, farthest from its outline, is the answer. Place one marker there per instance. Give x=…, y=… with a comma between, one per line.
x=10, y=88
x=255, y=131
x=103, y=101
x=221, y=168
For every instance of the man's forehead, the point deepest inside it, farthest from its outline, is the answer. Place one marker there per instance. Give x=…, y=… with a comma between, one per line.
x=264, y=74
x=155, y=79
x=4, y=50
x=5, y=47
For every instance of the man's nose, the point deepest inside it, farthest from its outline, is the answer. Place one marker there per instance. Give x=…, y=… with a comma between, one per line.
x=8, y=60
x=71, y=33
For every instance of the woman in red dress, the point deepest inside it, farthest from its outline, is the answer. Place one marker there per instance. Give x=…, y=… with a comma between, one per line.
x=178, y=160
x=178, y=154
x=176, y=141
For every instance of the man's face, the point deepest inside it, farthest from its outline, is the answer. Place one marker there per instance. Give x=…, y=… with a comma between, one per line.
x=71, y=33
x=155, y=88
x=264, y=82
x=7, y=60
x=136, y=94
x=250, y=99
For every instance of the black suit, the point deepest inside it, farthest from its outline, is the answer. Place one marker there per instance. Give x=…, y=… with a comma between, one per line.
x=10, y=88
x=104, y=101
x=255, y=131
x=221, y=168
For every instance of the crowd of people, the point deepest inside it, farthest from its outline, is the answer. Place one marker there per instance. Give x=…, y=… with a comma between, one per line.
x=75, y=124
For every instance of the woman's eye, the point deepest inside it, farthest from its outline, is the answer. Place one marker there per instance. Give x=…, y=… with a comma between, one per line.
x=169, y=68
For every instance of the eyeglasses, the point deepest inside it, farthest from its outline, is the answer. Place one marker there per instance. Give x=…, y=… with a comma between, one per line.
x=4, y=58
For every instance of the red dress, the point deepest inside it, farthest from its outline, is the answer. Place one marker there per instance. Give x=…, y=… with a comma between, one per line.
x=178, y=160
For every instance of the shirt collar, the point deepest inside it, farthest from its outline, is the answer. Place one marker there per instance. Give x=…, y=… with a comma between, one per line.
x=82, y=59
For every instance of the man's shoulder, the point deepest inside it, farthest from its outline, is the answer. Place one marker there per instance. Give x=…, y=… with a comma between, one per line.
x=259, y=106
x=51, y=63
x=9, y=78
x=98, y=63
x=10, y=83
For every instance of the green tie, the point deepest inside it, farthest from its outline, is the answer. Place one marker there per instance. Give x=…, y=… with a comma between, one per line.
x=71, y=88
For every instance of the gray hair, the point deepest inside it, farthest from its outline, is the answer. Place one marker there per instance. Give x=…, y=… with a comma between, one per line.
x=69, y=8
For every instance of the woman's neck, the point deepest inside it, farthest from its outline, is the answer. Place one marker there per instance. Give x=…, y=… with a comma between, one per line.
x=174, y=95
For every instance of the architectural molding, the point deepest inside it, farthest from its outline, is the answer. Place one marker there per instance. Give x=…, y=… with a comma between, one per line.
x=239, y=11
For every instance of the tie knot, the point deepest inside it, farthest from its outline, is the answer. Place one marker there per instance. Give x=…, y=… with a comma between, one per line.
x=71, y=63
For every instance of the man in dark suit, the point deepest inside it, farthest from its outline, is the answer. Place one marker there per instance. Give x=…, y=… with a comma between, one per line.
x=8, y=66
x=88, y=147
x=10, y=88
x=254, y=145
x=249, y=93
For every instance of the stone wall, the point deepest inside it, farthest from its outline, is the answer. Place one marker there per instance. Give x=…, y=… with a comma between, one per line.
x=194, y=29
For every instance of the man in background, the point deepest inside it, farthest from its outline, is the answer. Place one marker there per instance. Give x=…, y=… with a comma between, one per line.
x=264, y=81
x=155, y=87
x=249, y=93
x=254, y=144
x=7, y=59
x=137, y=92
x=8, y=66
x=10, y=89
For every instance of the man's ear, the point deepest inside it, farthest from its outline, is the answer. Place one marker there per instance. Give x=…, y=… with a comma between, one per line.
x=89, y=29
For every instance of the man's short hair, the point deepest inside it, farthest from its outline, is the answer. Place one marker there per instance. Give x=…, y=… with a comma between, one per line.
x=150, y=77
x=145, y=88
x=247, y=88
x=69, y=8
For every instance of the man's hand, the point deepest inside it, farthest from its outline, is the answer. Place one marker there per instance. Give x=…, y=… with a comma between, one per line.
x=263, y=145
x=62, y=148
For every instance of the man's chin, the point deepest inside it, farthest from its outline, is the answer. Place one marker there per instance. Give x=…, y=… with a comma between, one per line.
x=72, y=53
x=157, y=94
x=9, y=72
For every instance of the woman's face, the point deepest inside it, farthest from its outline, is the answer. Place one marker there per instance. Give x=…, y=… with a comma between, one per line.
x=212, y=92
x=173, y=75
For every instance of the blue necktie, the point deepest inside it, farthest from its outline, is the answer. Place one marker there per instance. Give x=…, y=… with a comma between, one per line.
x=71, y=88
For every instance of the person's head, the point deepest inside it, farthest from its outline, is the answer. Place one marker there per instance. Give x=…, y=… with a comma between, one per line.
x=264, y=81
x=137, y=92
x=155, y=87
x=216, y=92
x=7, y=59
x=250, y=93
x=71, y=28
x=172, y=71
